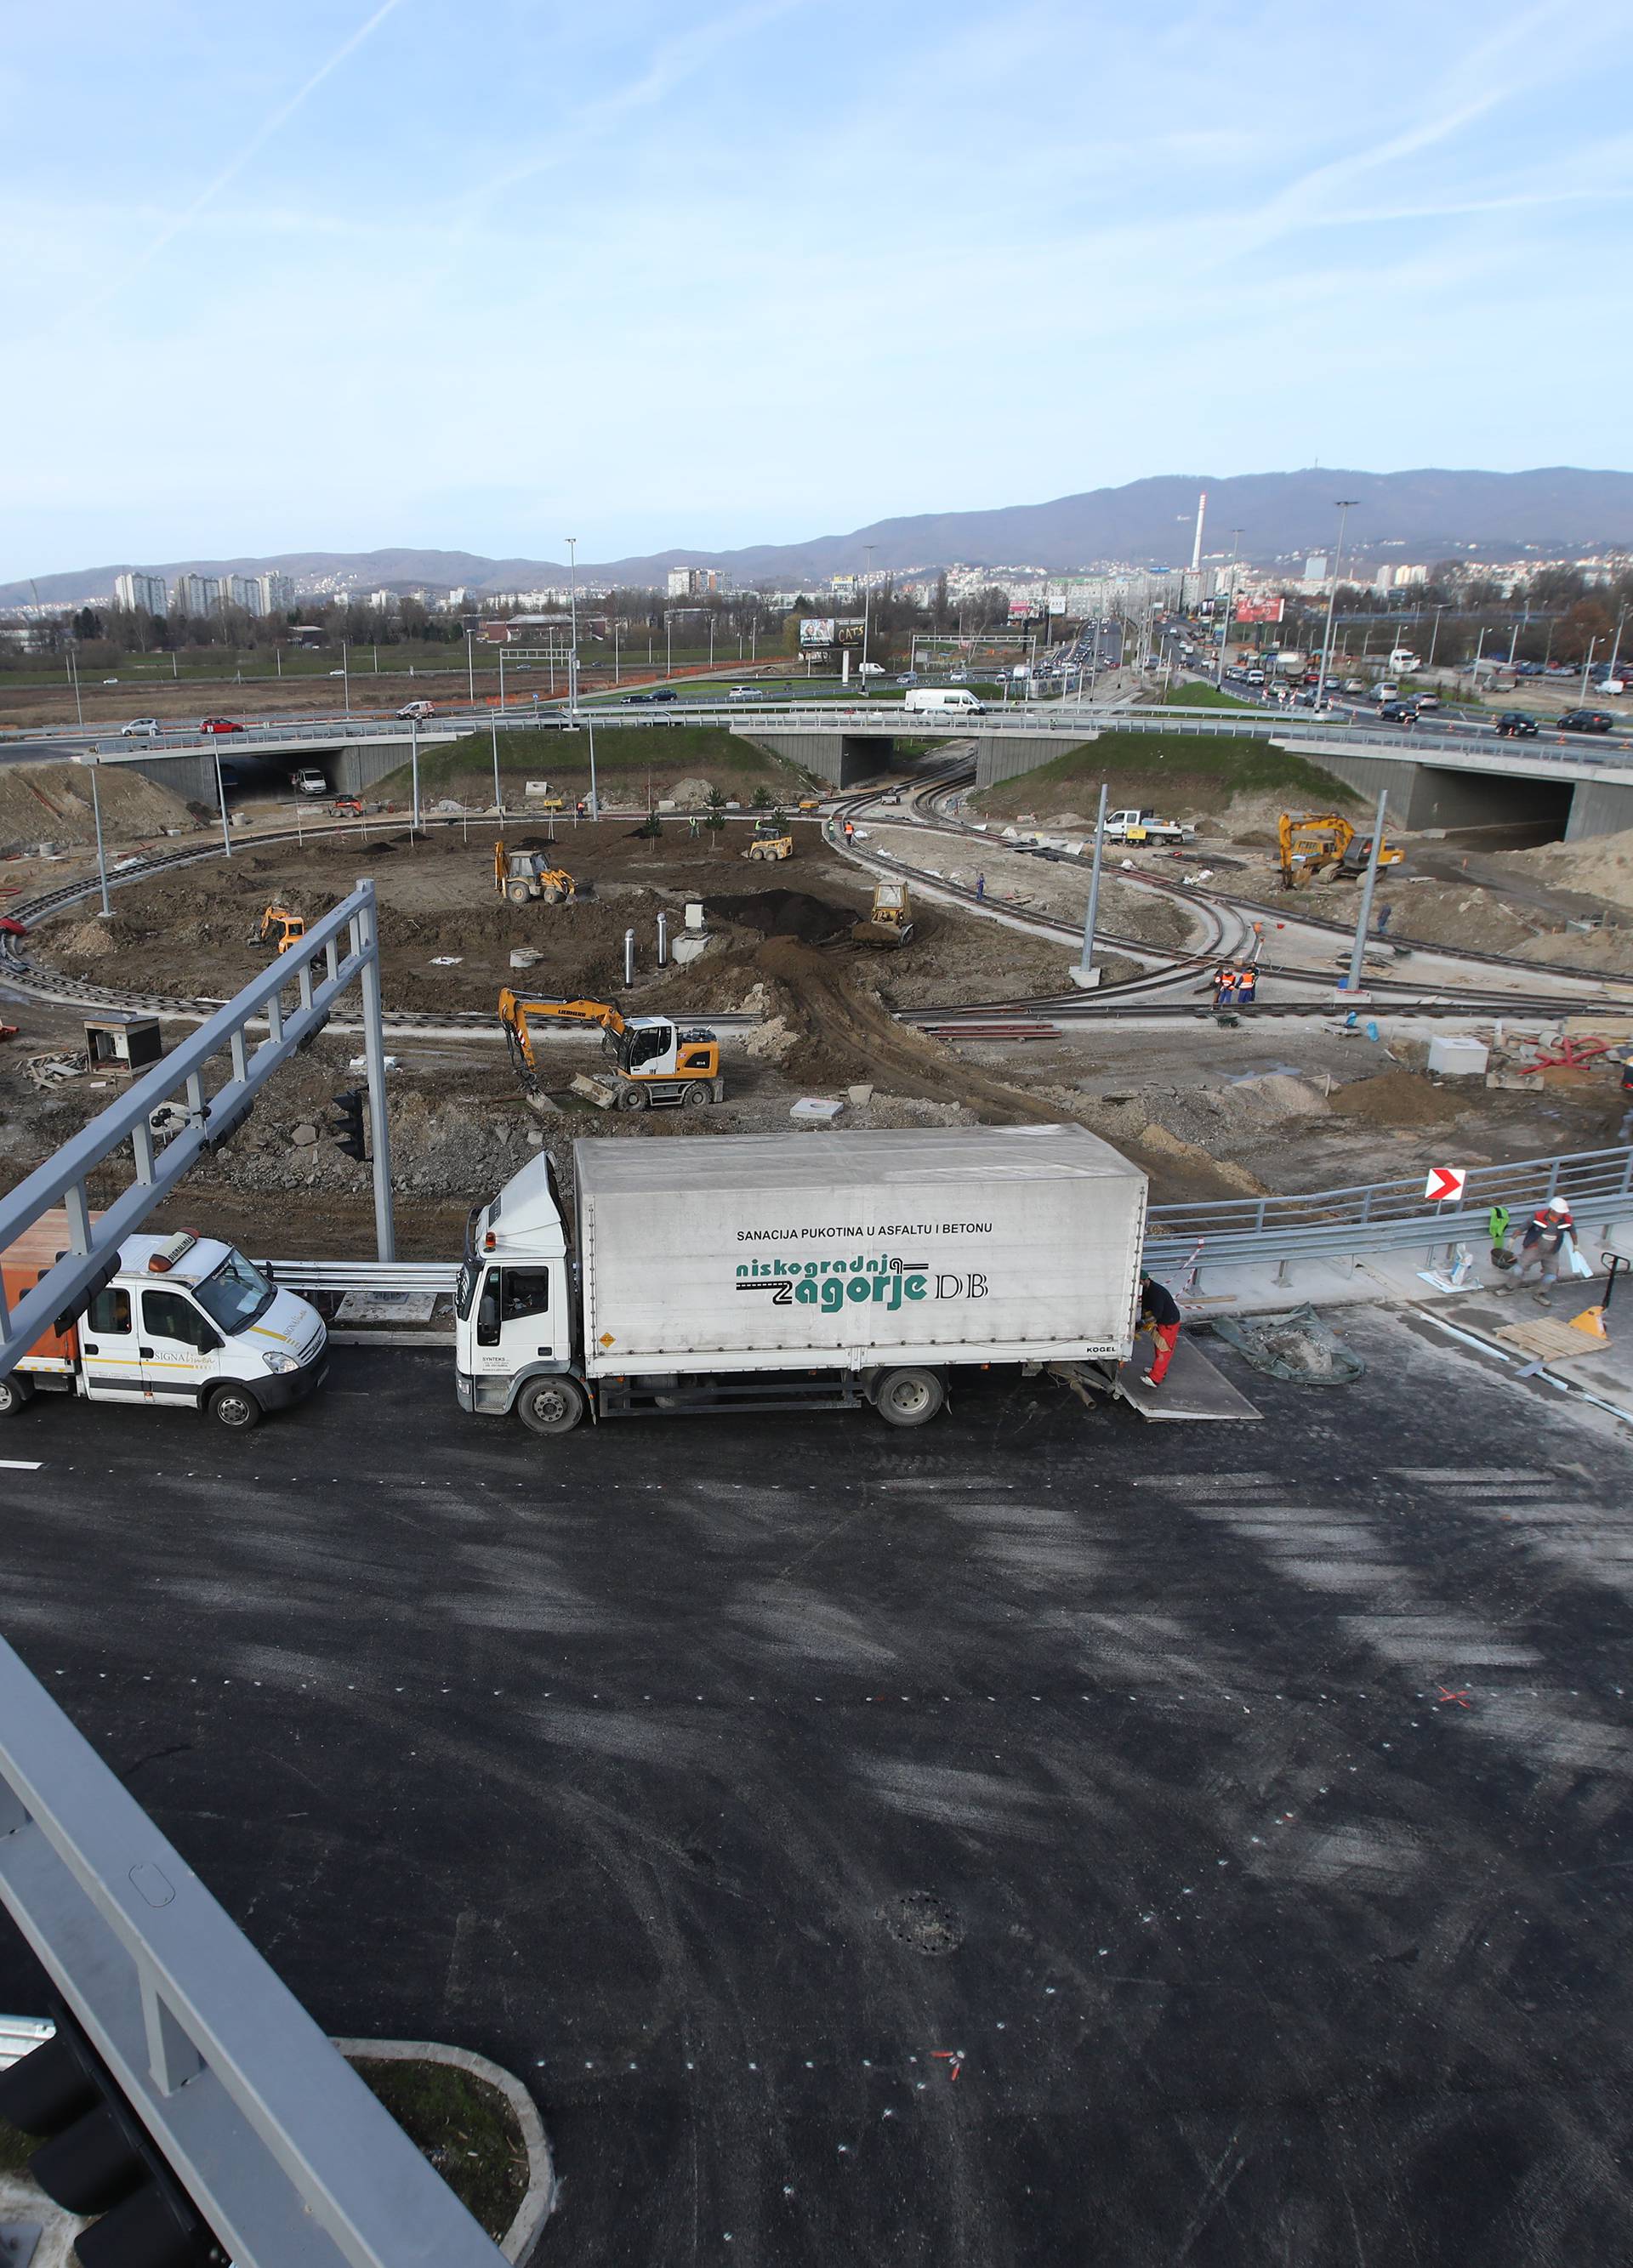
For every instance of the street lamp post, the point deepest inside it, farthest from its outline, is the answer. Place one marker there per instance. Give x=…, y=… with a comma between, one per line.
x=573, y=601
x=668, y=648
x=94, y=764
x=1224, y=626
x=226, y=832
x=868, y=550
x=1587, y=666
x=1434, y=637
x=346, y=674
x=414, y=759
x=1615, y=650
x=1344, y=504
x=498, y=800
x=470, y=667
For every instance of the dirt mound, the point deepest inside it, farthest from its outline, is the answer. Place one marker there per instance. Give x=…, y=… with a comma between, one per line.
x=784, y=913
x=1601, y=867
x=1398, y=1098
x=88, y=941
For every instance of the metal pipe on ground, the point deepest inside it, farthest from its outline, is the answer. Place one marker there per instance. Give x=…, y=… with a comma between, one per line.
x=629, y=956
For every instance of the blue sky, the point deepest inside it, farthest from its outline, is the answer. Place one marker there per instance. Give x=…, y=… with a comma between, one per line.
x=348, y=275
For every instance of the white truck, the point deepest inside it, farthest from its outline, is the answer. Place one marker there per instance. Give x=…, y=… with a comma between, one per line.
x=777, y=1272
x=184, y=1322
x=1145, y=826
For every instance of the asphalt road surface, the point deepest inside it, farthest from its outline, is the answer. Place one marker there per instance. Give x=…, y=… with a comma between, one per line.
x=1046, y=1838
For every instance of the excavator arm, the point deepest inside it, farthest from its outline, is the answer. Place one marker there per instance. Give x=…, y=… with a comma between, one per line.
x=515, y=1013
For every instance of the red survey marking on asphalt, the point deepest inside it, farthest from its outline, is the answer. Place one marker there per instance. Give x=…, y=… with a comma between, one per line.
x=1460, y=1694
x=954, y=2056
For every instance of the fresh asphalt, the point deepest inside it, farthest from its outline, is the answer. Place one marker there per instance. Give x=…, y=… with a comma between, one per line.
x=1045, y=1839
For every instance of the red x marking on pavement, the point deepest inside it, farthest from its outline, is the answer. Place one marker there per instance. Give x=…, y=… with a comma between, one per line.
x=1460, y=1694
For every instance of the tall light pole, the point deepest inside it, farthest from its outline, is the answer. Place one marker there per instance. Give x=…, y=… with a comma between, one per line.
x=1344, y=503
x=573, y=599
x=868, y=551
x=1615, y=650
x=1224, y=626
x=1434, y=637
x=1587, y=666
x=346, y=673
x=470, y=666
x=94, y=763
x=668, y=648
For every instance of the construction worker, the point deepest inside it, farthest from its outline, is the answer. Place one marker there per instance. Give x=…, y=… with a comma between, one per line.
x=1159, y=1315
x=1246, y=985
x=1224, y=985
x=850, y=830
x=981, y=888
x=1540, y=1246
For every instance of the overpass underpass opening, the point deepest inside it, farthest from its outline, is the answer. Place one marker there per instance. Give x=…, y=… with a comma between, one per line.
x=1446, y=798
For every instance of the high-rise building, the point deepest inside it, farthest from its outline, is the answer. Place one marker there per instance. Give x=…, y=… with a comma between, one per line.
x=243, y=591
x=195, y=594
x=278, y=594
x=693, y=582
x=133, y=589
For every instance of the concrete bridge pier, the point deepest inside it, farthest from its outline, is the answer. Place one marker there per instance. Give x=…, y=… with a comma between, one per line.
x=842, y=759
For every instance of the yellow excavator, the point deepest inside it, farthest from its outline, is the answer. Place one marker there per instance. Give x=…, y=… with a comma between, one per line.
x=773, y=839
x=653, y=1063
x=278, y=927
x=520, y=875
x=1321, y=842
x=891, y=923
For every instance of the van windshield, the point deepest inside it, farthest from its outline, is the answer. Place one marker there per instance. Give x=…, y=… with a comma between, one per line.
x=237, y=1295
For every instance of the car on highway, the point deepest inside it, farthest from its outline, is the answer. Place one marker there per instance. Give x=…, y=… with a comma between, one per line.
x=219, y=725
x=908, y=677
x=420, y=710
x=660, y=693
x=1584, y=720
x=1514, y=725
x=1353, y=685
x=1398, y=712
x=1426, y=700
x=743, y=693
x=310, y=781
x=141, y=728
x=337, y=673
x=110, y=681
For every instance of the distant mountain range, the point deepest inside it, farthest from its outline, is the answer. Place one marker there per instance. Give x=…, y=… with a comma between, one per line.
x=1559, y=510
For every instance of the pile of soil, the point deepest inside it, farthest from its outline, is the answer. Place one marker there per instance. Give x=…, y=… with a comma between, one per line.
x=784, y=913
x=1399, y=1098
x=51, y=803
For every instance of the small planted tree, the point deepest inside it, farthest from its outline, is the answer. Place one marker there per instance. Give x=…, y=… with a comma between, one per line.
x=714, y=817
x=762, y=799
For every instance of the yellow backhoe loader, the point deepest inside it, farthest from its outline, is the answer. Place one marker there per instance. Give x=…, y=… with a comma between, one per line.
x=773, y=839
x=1321, y=842
x=520, y=875
x=278, y=927
x=653, y=1063
x=891, y=923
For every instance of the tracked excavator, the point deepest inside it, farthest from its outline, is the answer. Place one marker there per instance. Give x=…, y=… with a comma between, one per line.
x=891, y=923
x=520, y=875
x=1321, y=842
x=653, y=1063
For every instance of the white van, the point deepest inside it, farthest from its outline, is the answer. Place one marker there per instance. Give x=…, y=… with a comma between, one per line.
x=186, y=1322
x=924, y=698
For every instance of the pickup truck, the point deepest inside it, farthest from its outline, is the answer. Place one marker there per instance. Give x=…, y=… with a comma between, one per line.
x=1145, y=826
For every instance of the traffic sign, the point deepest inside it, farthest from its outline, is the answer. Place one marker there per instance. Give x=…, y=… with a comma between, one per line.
x=1444, y=1182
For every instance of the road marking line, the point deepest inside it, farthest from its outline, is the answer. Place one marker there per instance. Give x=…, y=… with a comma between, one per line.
x=19, y=1465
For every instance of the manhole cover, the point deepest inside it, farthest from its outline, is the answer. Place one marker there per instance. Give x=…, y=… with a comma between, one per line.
x=923, y=1921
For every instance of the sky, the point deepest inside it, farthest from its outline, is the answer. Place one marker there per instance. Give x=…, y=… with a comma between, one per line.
x=375, y=272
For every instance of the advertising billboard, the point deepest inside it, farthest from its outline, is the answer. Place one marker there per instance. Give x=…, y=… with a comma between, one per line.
x=1257, y=610
x=817, y=629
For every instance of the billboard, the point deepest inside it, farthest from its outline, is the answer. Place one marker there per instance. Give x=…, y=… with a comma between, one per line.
x=1026, y=610
x=1257, y=610
x=830, y=630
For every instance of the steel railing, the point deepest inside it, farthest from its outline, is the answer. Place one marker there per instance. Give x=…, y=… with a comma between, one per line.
x=1598, y=1185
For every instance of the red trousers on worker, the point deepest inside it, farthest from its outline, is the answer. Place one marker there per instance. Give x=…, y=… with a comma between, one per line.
x=1167, y=1338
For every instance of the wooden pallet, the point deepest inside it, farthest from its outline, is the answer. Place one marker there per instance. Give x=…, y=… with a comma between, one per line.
x=1548, y=1341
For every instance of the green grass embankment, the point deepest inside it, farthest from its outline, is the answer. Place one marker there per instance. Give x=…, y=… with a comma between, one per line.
x=1201, y=696
x=627, y=758
x=1180, y=775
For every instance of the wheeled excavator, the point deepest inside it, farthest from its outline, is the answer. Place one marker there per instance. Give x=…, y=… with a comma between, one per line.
x=1318, y=842
x=653, y=1063
x=520, y=875
x=279, y=928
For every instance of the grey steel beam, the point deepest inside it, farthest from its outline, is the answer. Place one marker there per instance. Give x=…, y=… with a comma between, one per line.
x=284, y=2150
x=64, y=1176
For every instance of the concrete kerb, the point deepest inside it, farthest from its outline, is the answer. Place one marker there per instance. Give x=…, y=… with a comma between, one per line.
x=519, y=2240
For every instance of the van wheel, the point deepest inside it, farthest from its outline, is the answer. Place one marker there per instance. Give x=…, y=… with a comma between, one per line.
x=551, y=1405
x=14, y=1392
x=235, y=1407
x=909, y=1397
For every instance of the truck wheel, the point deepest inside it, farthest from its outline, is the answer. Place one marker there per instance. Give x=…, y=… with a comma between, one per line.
x=909, y=1397
x=14, y=1392
x=235, y=1407
x=551, y=1405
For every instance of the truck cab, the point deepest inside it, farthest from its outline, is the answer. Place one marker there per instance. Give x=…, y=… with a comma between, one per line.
x=513, y=1310
x=184, y=1320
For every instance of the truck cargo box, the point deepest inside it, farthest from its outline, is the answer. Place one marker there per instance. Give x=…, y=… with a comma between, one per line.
x=843, y=1250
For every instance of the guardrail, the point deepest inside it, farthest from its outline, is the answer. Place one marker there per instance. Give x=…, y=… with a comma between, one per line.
x=1376, y=1216
x=363, y=1275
